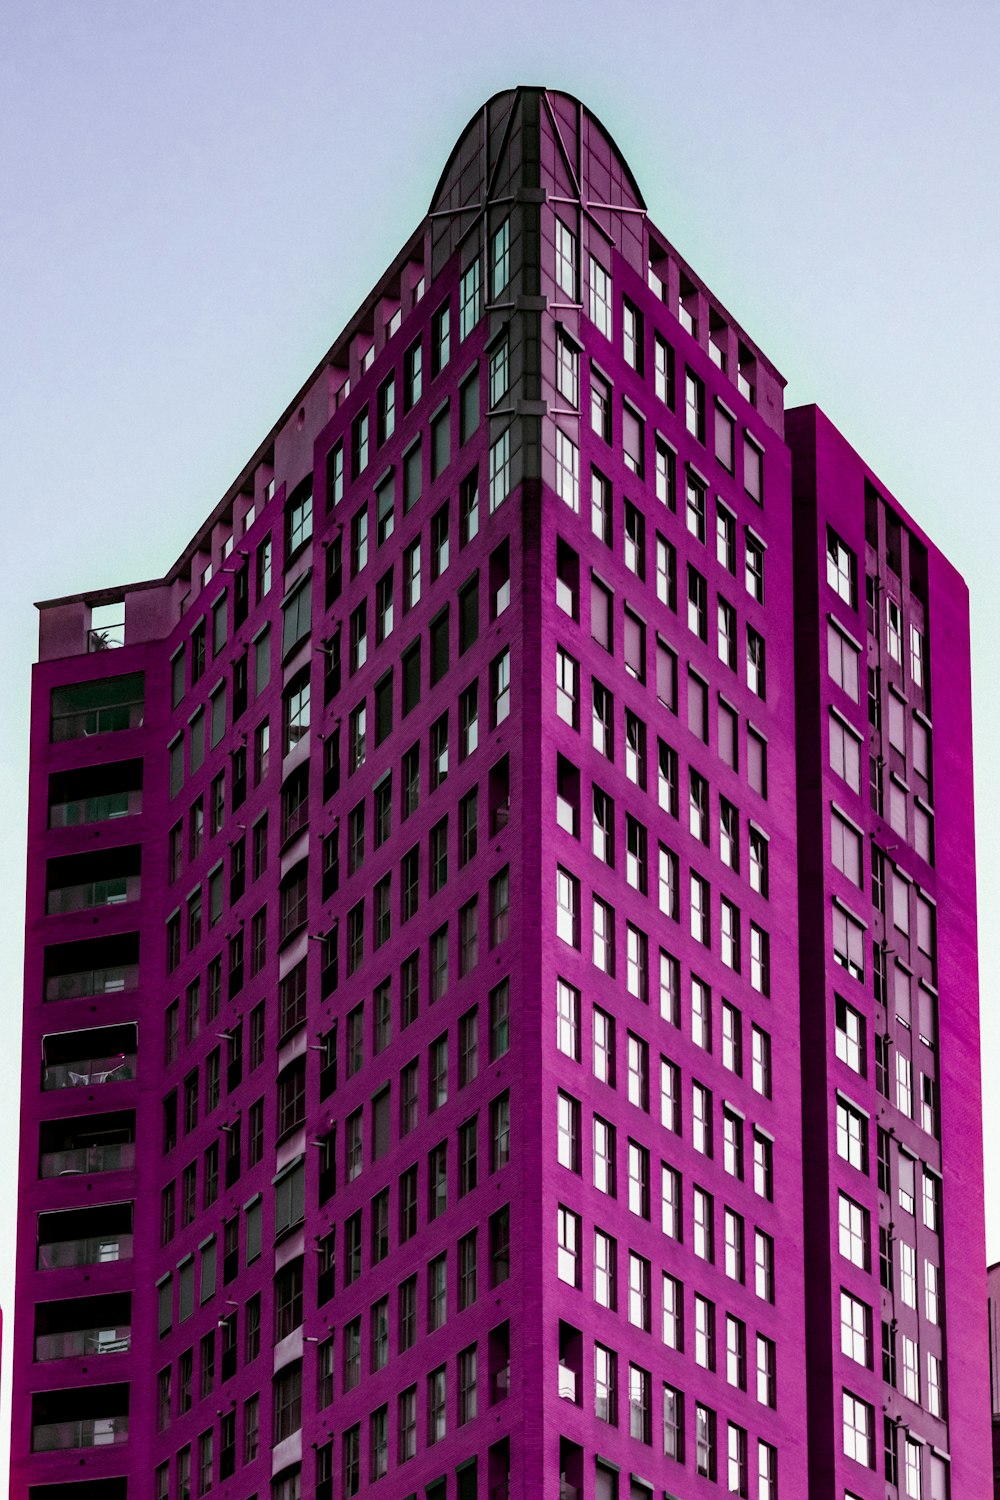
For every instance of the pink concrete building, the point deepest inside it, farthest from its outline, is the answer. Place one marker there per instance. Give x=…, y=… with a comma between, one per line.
x=501, y=1010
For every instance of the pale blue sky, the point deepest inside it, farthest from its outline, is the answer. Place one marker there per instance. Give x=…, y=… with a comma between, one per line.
x=195, y=199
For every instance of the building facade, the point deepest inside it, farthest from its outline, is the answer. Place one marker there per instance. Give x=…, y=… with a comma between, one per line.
x=501, y=1014
x=993, y=1285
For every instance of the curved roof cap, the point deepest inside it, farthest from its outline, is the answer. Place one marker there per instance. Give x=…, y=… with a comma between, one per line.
x=512, y=94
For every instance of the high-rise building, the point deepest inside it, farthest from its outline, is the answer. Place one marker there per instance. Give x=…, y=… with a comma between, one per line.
x=501, y=1010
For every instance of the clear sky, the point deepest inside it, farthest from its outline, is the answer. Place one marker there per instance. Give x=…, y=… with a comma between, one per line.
x=196, y=197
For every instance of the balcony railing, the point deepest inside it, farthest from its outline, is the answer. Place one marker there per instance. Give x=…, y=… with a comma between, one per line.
x=74, y=1343
x=567, y=1383
x=85, y=1072
x=82, y=723
x=114, y=1156
x=95, y=809
x=107, y=637
x=84, y=983
x=294, y=819
x=98, y=1250
x=112, y=892
x=85, y=1432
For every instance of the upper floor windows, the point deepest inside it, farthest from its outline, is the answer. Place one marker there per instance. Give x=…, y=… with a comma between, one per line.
x=695, y=510
x=633, y=439
x=499, y=372
x=664, y=373
x=468, y=300
x=600, y=405
x=567, y=687
x=755, y=567
x=632, y=335
x=568, y=370
x=441, y=338
x=842, y=658
x=566, y=260
x=386, y=414
x=500, y=470
x=845, y=752
x=500, y=261
x=359, y=443
x=413, y=374
x=600, y=297
x=841, y=568
x=753, y=470
x=848, y=942
x=725, y=437
x=694, y=405
x=298, y=519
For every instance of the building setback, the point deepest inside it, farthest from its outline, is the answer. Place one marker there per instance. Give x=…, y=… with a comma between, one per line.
x=501, y=1012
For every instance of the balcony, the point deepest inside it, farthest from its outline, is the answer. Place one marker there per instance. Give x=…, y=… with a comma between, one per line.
x=87, y=1416
x=91, y=1236
x=85, y=1432
x=87, y=984
x=114, y=890
x=95, y=809
x=82, y=1059
x=95, y=794
x=75, y=1343
x=97, y=966
x=84, y=1073
x=91, y=881
x=87, y=1143
x=569, y=1372
x=82, y=709
x=113, y=1157
x=82, y=1327
x=99, y=1250
x=109, y=635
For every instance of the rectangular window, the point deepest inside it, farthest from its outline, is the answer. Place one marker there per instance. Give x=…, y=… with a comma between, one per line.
x=500, y=260
x=500, y=476
x=841, y=568
x=566, y=260
x=567, y=370
x=666, y=675
x=858, y=1424
x=568, y=1247
x=842, y=658
x=694, y=405
x=632, y=335
x=600, y=297
x=412, y=475
x=852, y=1135
x=848, y=942
x=753, y=470
x=725, y=437
x=499, y=373
x=605, y=1270
x=440, y=442
x=664, y=371
x=567, y=470
x=633, y=440
x=468, y=300
x=634, y=646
